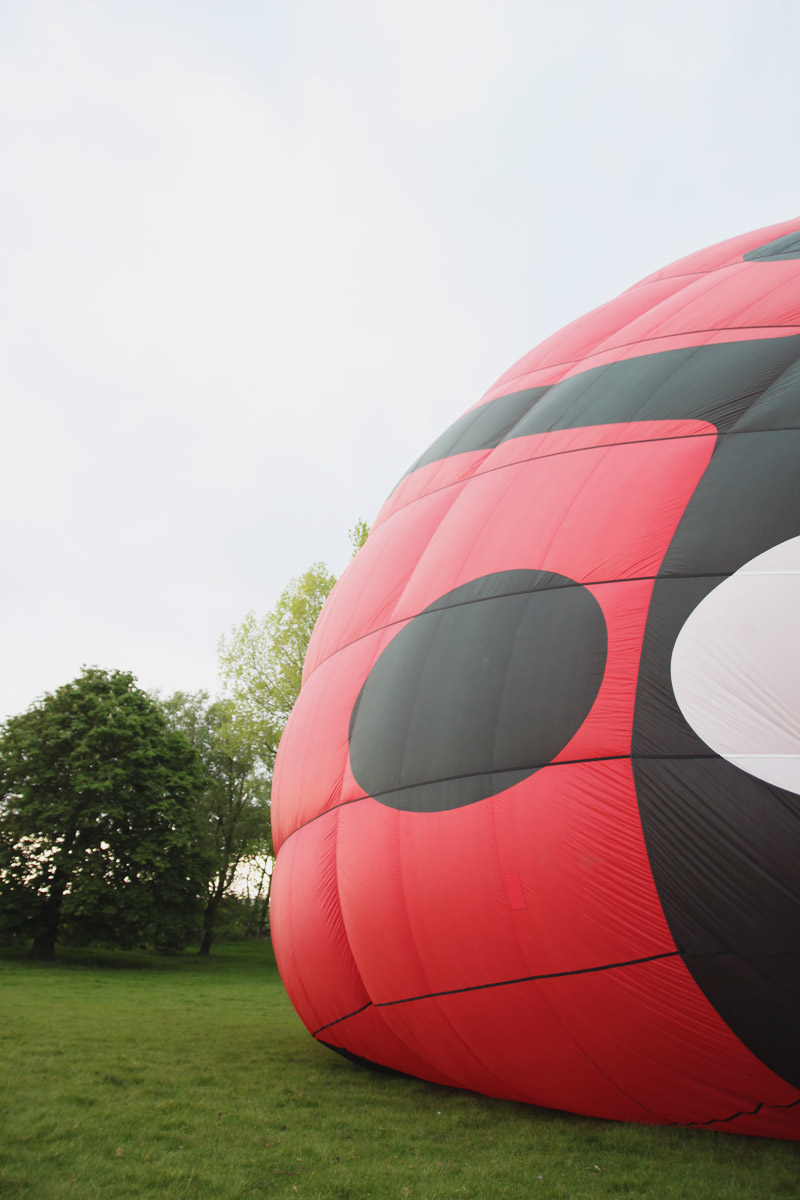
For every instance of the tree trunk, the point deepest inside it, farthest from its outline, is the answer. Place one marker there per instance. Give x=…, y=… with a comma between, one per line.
x=43, y=948
x=251, y=933
x=44, y=944
x=263, y=923
x=209, y=914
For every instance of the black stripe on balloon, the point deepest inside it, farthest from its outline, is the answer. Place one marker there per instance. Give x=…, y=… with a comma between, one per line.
x=777, y=250
x=481, y=987
x=481, y=428
x=722, y=384
x=722, y=843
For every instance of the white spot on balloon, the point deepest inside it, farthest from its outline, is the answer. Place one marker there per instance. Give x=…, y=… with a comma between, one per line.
x=736, y=667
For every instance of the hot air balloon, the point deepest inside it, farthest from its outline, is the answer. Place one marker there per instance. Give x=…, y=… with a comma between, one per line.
x=537, y=809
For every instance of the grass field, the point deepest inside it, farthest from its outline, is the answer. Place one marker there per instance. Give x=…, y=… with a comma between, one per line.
x=133, y=1076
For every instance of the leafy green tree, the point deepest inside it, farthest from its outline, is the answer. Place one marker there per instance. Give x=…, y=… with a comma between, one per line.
x=261, y=666
x=233, y=804
x=255, y=883
x=98, y=835
x=261, y=660
x=358, y=535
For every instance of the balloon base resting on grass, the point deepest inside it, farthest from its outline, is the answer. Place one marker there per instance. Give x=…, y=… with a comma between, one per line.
x=537, y=808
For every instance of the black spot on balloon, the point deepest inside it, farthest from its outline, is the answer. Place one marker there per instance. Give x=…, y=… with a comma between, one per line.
x=478, y=691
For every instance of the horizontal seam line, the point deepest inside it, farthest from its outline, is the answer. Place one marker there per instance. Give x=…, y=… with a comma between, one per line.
x=346, y=1017
x=676, y=437
x=588, y=583
x=518, y=437
x=531, y=768
x=577, y=450
x=479, y=987
x=431, y=610
x=413, y=616
x=656, y=337
x=572, y=762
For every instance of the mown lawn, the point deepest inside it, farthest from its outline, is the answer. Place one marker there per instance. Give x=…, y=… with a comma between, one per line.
x=129, y=1076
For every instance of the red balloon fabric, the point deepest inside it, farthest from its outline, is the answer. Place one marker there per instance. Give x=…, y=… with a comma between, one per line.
x=537, y=809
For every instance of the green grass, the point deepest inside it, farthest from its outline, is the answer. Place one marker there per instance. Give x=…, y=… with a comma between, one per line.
x=127, y=1075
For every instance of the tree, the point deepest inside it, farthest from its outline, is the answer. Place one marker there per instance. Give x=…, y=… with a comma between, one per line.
x=358, y=535
x=233, y=804
x=261, y=666
x=98, y=835
x=256, y=880
x=261, y=661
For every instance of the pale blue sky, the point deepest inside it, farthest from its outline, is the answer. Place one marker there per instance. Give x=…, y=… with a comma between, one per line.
x=256, y=256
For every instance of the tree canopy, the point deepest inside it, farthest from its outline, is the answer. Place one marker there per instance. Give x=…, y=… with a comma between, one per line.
x=261, y=660
x=98, y=828
x=233, y=805
x=358, y=535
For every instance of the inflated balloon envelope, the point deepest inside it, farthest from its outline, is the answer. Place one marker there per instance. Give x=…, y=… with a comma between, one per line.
x=536, y=810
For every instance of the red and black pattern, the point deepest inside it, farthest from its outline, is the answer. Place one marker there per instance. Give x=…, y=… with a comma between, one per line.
x=505, y=860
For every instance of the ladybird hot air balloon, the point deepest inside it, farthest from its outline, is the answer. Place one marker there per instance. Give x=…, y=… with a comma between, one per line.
x=537, y=809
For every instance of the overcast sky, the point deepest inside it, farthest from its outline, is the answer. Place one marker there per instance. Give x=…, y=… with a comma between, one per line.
x=256, y=255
